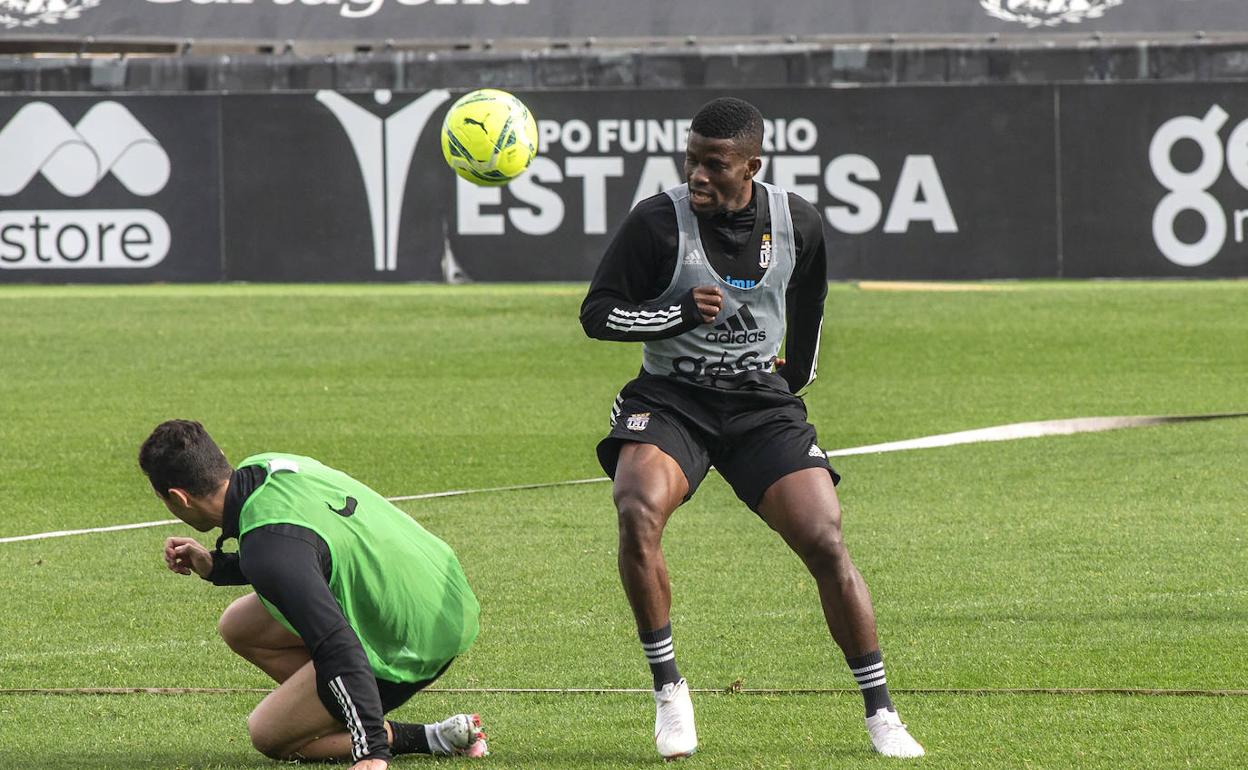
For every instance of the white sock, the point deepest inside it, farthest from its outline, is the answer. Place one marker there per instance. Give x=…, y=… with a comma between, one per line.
x=436, y=744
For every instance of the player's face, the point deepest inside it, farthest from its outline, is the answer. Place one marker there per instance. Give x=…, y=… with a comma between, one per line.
x=719, y=173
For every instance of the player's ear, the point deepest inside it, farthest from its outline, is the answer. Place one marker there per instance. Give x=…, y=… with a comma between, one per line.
x=180, y=497
x=752, y=167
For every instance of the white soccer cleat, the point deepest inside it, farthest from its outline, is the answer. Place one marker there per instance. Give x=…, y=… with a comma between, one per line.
x=461, y=735
x=890, y=737
x=674, y=733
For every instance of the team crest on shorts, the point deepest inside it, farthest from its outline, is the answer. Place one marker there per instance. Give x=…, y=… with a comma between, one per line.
x=638, y=421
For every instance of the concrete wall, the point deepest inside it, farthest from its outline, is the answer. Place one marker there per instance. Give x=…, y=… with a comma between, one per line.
x=693, y=66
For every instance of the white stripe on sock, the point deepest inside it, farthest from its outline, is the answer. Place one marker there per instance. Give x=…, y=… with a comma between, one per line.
x=857, y=672
x=868, y=684
x=663, y=650
x=659, y=651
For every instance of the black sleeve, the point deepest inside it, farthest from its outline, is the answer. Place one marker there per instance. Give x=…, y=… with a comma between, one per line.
x=289, y=566
x=808, y=288
x=225, y=570
x=635, y=269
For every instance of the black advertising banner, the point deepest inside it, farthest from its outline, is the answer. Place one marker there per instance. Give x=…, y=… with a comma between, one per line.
x=440, y=20
x=941, y=182
x=117, y=189
x=326, y=186
x=1155, y=180
x=912, y=182
x=962, y=183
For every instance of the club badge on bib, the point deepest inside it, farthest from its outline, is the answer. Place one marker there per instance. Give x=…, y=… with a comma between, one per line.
x=764, y=252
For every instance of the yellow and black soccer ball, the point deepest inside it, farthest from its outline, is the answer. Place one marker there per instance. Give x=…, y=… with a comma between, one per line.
x=489, y=137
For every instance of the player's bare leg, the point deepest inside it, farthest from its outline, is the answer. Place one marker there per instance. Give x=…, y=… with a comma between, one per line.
x=291, y=722
x=649, y=486
x=803, y=508
x=249, y=630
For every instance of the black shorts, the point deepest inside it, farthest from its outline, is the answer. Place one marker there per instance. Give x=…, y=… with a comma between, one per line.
x=753, y=437
x=395, y=694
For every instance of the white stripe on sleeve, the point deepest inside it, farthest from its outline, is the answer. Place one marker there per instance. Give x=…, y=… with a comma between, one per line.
x=359, y=741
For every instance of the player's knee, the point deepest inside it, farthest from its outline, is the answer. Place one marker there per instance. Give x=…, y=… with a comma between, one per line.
x=265, y=740
x=641, y=521
x=824, y=546
x=232, y=628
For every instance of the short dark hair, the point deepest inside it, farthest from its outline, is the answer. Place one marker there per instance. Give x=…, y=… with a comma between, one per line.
x=181, y=455
x=730, y=118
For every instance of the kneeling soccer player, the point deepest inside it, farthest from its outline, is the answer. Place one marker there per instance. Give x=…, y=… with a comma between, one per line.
x=356, y=606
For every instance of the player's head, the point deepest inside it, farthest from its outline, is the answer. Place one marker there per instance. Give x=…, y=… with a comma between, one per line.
x=722, y=157
x=184, y=464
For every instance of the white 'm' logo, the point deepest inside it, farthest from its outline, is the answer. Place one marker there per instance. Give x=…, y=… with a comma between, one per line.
x=75, y=158
x=28, y=13
x=1048, y=13
x=384, y=150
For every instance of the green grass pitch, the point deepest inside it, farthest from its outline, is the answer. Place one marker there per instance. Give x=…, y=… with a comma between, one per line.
x=1112, y=560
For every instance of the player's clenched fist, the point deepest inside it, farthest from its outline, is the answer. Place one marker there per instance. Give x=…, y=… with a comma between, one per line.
x=709, y=300
x=184, y=555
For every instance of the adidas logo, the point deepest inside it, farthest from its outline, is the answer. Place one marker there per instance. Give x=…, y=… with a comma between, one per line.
x=739, y=329
x=815, y=451
x=693, y=258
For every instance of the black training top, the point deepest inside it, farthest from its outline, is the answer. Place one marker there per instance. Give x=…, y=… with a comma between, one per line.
x=641, y=259
x=290, y=567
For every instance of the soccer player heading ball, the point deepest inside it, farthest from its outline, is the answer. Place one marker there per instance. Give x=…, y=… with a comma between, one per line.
x=345, y=642
x=710, y=276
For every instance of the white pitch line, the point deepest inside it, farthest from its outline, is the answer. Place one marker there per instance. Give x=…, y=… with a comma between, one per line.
x=400, y=498
x=512, y=488
x=1011, y=432
x=729, y=690
x=68, y=532
x=1019, y=430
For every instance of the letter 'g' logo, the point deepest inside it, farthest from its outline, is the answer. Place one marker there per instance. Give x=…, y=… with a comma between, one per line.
x=1189, y=190
x=75, y=158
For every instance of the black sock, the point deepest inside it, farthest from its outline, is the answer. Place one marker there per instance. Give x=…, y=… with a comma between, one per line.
x=869, y=671
x=657, y=645
x=409, y=739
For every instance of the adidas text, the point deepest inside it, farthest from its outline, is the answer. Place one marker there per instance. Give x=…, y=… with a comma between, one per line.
x=736, y=338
